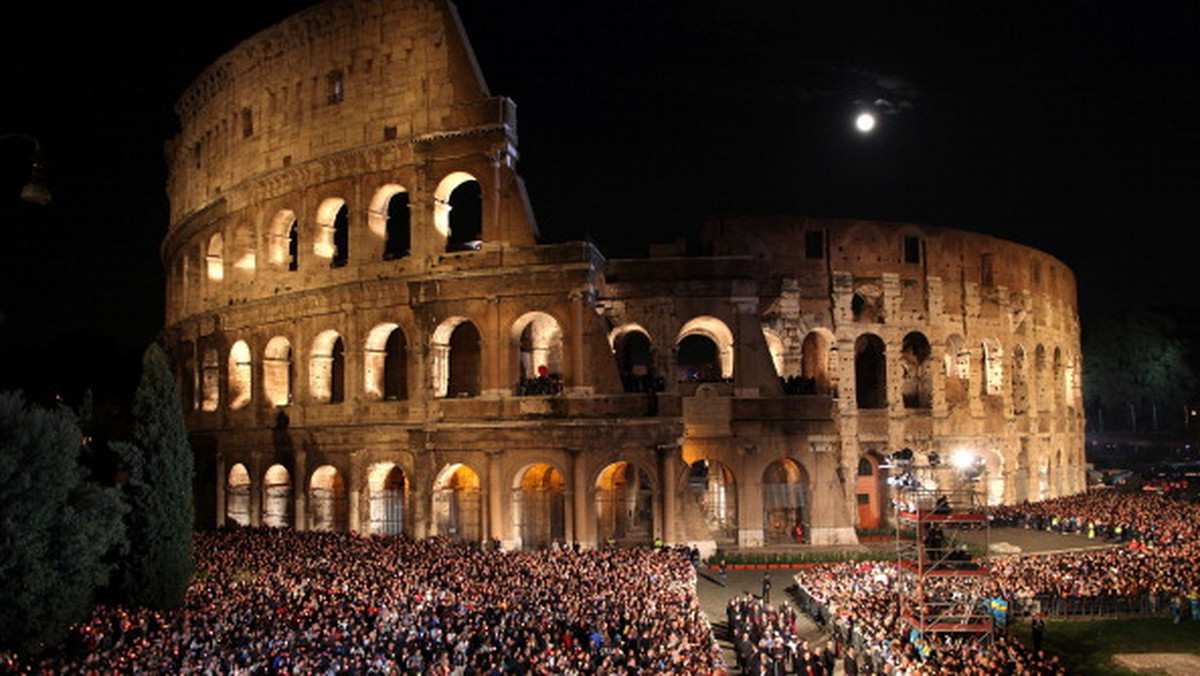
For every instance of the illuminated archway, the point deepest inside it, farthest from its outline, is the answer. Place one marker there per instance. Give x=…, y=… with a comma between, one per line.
x=538, y=339
x=327, y=500
x=785, y=501
x=240, y=369
x=277, y=371
x=457, y=211
x=916, y=382
x=327, y=369
x=284, y=240
x=215, y=258
x=332, y=240
x=456, y=355
x=870, y=491
x=816, y=353
x=714, y=488
x=870, y=372
x=210, y=380
x=277, y=497
x=389, y=490
x=634, y=352
x=539, y=506
x=624, y=498
x=458, y=504
x=712, y=342
x=237, y=496
x=385, y=361
x=390, y=220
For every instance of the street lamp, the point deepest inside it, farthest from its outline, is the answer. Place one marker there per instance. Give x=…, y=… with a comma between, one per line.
x=34, y=192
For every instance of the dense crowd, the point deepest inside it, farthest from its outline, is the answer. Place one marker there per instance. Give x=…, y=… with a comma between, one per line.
x=283, y=602
x=766, y=640
x=1158, y=542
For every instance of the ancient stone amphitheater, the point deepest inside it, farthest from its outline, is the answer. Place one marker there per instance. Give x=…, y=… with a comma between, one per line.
x=369, y=336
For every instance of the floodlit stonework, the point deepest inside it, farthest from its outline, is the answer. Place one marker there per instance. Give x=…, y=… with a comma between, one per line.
x=369, y=337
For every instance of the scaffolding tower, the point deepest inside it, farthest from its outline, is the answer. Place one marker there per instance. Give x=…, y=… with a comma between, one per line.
x=942, y=582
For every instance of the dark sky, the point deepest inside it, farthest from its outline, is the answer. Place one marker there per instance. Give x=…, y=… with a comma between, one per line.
x=1066, y=125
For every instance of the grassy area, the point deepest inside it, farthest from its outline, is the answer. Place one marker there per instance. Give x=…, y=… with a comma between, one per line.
x=1088, y=646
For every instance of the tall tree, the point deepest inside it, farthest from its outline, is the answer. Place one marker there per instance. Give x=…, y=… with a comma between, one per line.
x=156, y=570
x=55, y=527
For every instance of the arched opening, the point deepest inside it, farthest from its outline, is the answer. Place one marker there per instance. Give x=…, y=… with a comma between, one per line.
x=237, y=496
x=327, y=500
x=333, y=232
x=187, y=375
x=458, y=211
x=870, y=491
x=210, y=381
x=385, y=361
x=714, y=488
x=993, y=367
x=870, y=372
x=284, y=241
x=624, y=498
x=776, y=349
x=957, y=369
x=456, y=354
x=1020, y=381
x=699, y=359
x=785, y=502
x=277, y=371
x=539, y=354
x=327, y=372
x=277, y=497
x=390, y=219
x=215, y=258
x=240, y=369
x=1041, y=380
x=916, y=383
x=815, y=357
x=1021, y=474
x=635, y=359
x=389, y=491
x=539, y=507
x=704, y=350
x=457, y=504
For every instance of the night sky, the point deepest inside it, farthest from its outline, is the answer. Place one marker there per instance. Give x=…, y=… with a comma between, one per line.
x=1070, y=126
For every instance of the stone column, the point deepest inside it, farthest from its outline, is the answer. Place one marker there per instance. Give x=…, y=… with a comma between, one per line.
x=220, y=503
x=666, y=471
x=299, y=490
x=579, y=495
x=494, y=491
x=256, y=492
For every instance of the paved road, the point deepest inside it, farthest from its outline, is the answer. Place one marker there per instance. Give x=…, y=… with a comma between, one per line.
x=714, y=597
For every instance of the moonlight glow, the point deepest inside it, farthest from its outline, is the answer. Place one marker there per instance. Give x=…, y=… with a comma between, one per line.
x=865, y=122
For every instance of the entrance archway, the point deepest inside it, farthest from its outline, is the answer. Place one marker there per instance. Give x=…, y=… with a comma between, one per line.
x=277, y=497
x=327, y=498
x=539, y=507
x=457, y=504
x=870, y=491
x=389, y=489
x=237, y=496
x=624, y=498
x=714, y=488
x=785, y=501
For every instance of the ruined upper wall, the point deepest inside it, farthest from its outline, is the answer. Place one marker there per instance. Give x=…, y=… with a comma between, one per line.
x=341, y=75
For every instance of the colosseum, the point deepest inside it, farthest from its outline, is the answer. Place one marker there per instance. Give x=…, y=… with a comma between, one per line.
x=370, y=336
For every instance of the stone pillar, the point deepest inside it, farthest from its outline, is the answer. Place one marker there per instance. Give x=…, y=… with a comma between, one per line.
x=576, y=377
x=666, y=471
x=495, y=529
x=300, y=490
x=256, y=493
x=579, y=496
x=220, y=503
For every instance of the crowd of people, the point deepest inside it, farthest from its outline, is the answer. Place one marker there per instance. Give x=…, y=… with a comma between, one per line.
x=766, y=640
x=285, y=602
x=1158, y=543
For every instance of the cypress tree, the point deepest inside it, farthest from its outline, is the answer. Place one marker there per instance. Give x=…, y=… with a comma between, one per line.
x=55, y=527
x=158, y=566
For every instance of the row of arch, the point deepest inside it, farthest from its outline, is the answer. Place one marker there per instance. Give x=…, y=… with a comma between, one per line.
x=622, y=493
x=704, y=352
x=456, y=217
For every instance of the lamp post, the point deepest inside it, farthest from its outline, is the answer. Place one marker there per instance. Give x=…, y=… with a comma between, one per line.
x=34, y=192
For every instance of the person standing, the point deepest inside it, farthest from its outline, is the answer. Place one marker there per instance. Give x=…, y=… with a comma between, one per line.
x=723, y=572
x=766, y=586
x=1039, y=632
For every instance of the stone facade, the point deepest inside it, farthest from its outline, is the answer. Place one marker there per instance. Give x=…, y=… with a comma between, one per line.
x=356, y=353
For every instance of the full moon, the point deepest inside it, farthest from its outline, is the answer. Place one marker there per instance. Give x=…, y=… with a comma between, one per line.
x=865, y=122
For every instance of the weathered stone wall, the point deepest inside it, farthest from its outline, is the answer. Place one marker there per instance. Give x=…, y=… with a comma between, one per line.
x=523, y=393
